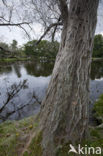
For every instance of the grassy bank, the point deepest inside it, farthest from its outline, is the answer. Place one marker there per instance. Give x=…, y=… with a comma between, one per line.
x=14, y=59
x=10, y=60
x=14, y=136
x=97, y=59
x=7, y=60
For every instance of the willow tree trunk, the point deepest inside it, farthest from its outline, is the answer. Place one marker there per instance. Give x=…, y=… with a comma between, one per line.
x=64, y=111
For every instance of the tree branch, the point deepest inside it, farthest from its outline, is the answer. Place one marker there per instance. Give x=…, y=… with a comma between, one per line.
x=4, y=2
x=64, y=9
x=36, y=98
x=14, y=90
x=13, y=24
x=47, y=30
x=55, y=28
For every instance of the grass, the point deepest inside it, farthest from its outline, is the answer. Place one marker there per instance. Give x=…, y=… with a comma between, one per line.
x=26, y=58
x=97, y=59
x=35, y=148
x=14, y=135
x=13, y=59
x=95, y=140
x=98, y=107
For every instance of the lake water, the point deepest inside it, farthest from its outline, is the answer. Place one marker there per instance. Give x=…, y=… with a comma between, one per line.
x=37, y=75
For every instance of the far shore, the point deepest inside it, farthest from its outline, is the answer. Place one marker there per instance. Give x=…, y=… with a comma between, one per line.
x=97, y=59
x=14, y=59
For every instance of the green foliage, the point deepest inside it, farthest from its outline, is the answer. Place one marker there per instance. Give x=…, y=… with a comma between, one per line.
x=63, y=150
x=98, y=46
x=94, y=133
x=11, y=50
x=2, y=52
x=43, y=49
x=14, y=45
x=96, y=69
x=98, y=107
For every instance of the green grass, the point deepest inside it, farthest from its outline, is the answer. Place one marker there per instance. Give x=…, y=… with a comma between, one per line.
x=97, y=59
x=13, y=59
x=98, y=107
x=14, y=135
x=35, y=148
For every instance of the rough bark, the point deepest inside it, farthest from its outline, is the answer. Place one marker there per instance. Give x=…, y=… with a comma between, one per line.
x=64, y=111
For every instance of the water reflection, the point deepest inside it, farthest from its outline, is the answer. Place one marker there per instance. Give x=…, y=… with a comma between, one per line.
x=5, y=69
x=37, y=75
x=96, y=70
x=39, y=68
x=96, y=84
x=17, y=70
x=36, y=83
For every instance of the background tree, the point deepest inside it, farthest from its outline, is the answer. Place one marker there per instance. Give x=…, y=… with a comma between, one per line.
x=43, y=49
x=98, y=46
x=14, y=45
x=4, y=49
x=14, y=48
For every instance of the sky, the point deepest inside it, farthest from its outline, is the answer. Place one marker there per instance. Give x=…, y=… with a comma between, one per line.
x=8, y=34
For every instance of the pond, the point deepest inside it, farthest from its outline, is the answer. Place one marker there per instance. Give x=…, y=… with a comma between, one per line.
x=23, y=86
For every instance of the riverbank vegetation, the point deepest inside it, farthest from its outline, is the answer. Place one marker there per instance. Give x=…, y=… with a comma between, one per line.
x=44, y=50
x=98, y=46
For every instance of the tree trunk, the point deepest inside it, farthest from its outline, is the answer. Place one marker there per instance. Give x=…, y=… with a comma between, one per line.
x=64, y=111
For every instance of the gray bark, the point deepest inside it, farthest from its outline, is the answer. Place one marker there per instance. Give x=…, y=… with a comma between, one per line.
x=64, y=111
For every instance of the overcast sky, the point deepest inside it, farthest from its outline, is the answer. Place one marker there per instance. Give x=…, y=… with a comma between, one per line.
x=7, y=35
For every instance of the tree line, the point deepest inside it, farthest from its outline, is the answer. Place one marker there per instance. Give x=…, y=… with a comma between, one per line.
x=44, y=49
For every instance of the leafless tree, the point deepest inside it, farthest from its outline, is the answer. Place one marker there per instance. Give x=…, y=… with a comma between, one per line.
x=28, y=13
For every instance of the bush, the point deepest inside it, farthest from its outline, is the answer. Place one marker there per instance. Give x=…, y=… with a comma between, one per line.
x=43, y=49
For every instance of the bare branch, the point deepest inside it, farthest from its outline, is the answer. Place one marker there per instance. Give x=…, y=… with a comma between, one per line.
x=13, y=24
x=14, y=90
x=43, y=12
x=36, y=98
x=4, y=2
x=55, y=28
x=25, y=31
x=47, y=30
x=16, y=109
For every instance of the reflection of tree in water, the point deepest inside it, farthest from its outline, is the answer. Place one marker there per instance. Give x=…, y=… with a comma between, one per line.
x=13, y=92
x=8, y=68
x=96, y=70
x=39, y=68
x=17, y=70
x=5, y=69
